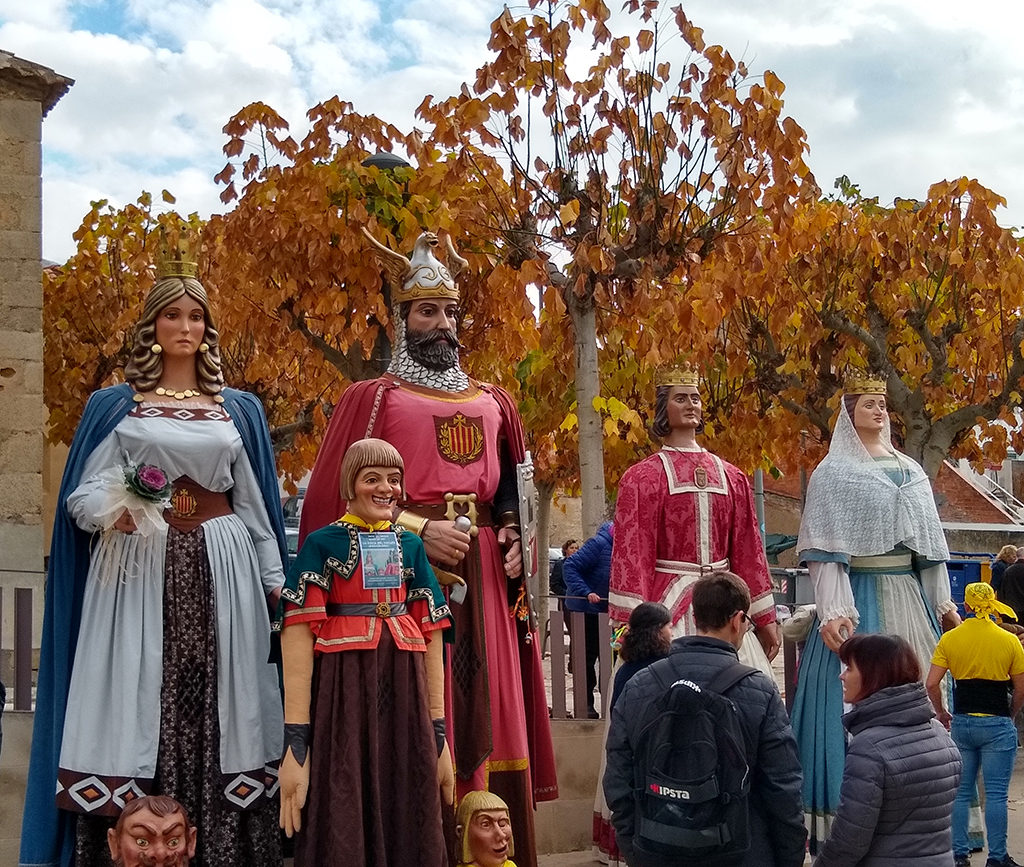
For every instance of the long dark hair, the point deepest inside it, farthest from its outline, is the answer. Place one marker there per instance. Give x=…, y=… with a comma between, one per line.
x=881, y=660
x=644, y=637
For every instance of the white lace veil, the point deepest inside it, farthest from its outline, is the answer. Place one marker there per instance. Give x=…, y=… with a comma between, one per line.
x=854, y=509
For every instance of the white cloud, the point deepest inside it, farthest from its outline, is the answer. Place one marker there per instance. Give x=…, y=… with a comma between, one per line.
x=41, y=13
x=897, y=94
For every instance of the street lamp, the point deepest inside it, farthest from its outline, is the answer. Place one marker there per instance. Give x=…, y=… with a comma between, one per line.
x=385, y=160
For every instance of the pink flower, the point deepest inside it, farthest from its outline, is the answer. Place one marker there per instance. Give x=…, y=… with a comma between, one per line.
x=152, y=477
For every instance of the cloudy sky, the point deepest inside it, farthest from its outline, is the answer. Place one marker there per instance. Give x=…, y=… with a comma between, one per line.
x=895, y=94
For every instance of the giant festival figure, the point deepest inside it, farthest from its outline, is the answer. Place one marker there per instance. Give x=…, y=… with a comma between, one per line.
x=154, y=673
x=872, y=542
x=364, y=683
x=680, y=513
x=461, y=441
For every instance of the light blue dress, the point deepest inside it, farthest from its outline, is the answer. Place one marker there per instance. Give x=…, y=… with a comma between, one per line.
x=890, y=598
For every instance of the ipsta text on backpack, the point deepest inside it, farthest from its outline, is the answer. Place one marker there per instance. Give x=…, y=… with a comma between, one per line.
x=693, y=779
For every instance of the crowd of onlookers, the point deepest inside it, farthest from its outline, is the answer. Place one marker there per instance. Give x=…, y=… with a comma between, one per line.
x=912, y=760
x=917, y=740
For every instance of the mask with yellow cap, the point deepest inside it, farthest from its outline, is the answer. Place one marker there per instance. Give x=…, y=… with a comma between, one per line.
x=484, y=830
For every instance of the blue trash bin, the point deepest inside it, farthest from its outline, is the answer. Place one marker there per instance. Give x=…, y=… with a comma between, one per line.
x=964, y=568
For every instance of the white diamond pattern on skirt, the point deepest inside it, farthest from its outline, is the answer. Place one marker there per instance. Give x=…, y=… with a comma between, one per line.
x=128, y=792
x=243, y=790
x=90, y=793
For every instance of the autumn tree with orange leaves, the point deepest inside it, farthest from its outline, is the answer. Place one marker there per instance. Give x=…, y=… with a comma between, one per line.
x=928, y=295
x=623, y=176
x=618, y=212
x=295, y=289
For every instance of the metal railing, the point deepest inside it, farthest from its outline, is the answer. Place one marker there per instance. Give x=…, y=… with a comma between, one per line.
x=566, y=697
x=995, y=493
x=22, y=682
x=559, y=654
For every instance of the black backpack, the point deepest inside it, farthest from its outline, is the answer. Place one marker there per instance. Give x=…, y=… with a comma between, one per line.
x=693, y=781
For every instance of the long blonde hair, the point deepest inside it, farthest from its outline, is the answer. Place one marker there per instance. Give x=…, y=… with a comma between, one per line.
x=145, y=366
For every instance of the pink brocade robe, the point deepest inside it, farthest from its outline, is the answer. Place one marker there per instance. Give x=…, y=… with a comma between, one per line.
x=696, y=510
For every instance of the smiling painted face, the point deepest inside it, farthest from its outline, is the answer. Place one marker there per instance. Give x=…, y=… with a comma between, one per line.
x=146, y=839
x=869, y=415
x=180, y=327
x=490, y=836
x=377, y=490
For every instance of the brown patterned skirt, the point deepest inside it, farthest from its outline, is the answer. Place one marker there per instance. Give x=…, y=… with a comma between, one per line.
x=188, y=761
x=373, y=794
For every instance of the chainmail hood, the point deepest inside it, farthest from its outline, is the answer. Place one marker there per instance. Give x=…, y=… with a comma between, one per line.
x=403, y=366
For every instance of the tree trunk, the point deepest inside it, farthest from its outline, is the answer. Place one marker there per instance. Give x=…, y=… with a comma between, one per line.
x=929, y=442
x=591, y=433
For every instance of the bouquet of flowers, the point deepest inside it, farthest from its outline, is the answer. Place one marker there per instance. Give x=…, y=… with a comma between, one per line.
x=142, y=489
x=148, y=482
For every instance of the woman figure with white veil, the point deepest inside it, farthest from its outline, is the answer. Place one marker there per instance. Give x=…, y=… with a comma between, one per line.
x=871, y=539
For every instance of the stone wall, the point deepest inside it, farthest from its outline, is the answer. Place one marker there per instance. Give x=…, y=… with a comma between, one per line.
x=27, y=92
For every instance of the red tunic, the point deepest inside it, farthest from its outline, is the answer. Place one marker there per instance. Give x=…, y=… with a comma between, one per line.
x=672, y=519
x=358, y=632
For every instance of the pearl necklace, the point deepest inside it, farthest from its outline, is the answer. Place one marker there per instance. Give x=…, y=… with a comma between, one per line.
x=177, y=395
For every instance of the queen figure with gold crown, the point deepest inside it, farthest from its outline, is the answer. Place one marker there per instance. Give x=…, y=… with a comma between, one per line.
x=681, y=513
x=871, y=539
x=167, y=552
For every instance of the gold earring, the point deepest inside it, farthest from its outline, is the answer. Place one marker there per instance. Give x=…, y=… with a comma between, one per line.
x=156, y=349
x=204, y=347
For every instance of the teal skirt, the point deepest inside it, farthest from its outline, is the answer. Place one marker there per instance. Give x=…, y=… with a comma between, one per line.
x=890, y=601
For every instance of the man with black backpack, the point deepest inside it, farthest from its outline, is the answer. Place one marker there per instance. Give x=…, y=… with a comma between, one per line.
x=702, y=763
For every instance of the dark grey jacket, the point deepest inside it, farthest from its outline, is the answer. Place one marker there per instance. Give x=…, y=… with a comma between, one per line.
x=901, y=776
x=777, y=833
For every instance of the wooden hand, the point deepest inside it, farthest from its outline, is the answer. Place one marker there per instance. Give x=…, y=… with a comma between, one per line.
x=444, y=543
x=834, y=632
x=768, y=635
x=294, y=780
x=508, y=537
x=125, y=523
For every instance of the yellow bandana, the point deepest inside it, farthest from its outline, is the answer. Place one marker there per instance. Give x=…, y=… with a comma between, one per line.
x=349, y=518
x=981, y=598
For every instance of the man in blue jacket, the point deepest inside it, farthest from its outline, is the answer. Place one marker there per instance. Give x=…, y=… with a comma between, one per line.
x=586, y=575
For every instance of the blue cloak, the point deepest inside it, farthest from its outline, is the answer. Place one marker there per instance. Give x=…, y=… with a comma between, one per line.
x=48, y=834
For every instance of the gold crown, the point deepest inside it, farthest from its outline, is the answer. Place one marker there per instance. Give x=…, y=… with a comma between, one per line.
x=678, y=374
x=861, y=383
x=176, y=262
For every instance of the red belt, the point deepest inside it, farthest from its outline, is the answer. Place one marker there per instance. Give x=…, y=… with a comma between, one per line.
x=192, y=504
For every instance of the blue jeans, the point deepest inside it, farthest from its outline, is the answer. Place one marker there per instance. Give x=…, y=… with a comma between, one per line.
x=991, y=743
